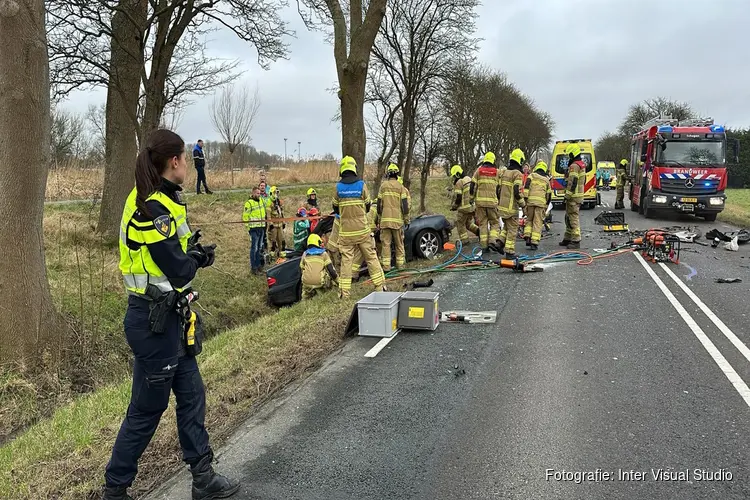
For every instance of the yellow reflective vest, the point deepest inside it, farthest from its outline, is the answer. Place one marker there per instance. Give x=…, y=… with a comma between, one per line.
x=136, y=264
x=254, y=214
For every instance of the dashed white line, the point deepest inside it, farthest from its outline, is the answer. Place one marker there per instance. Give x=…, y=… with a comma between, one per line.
x=729, y=334
x=718, y=358
x=379, y=346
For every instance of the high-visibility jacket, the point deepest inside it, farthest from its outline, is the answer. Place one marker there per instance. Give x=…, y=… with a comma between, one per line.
x=351, y=200
x=576, y=186
x=462, y=195
x=621, y=175
x=537, y=190
x=136, y=264
x=393, y=205
x=267, y=200
x=254, y=213
x=316, y=266
x=510, y=192
x=487, y=184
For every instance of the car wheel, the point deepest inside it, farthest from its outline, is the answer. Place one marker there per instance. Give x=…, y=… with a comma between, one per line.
x=427, y=243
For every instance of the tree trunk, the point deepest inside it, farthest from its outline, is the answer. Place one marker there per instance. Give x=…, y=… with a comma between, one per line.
x=122, y=108
x=353, y=140
x=406, y=169
x=30, y=324
x=424, y=175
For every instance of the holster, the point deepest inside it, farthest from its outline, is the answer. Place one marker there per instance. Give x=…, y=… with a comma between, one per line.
x=194, y=334
x=161, y=305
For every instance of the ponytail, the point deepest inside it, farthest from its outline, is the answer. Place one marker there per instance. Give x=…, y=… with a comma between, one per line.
x=151, y=163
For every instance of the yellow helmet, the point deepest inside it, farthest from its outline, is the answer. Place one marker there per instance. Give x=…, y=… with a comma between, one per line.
x=274, y=190
x=314, y=240
x=517, y=156
x=310, y=191
x=540, y=165
x=348, y=164
x=623, y=162
x=392, y=168
x=401, y=180
x=456, y=170
x=573, y=149
x=489, y=157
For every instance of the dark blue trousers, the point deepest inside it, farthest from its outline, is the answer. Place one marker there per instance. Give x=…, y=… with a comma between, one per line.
x=201, y=179
x=157, y=371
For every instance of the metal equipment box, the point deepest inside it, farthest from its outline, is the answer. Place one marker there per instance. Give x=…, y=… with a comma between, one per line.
x=378, y=314
x=419, y=311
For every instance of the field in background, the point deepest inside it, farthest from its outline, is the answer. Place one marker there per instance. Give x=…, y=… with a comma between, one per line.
x=737, y=211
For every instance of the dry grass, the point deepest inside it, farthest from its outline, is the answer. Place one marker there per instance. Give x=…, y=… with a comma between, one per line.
x=737, y=211
x=251, y=353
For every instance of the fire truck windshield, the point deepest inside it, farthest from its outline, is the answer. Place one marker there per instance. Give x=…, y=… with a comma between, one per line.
x=709, y=153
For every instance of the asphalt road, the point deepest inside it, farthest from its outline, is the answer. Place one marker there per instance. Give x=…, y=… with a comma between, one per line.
x=591, y=374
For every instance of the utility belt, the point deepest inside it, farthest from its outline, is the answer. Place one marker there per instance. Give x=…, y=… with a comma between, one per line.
x=164, y=303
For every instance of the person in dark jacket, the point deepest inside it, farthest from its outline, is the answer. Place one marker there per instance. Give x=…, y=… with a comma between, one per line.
x=199, y=160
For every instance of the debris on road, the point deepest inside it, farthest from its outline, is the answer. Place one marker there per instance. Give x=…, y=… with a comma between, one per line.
x=743, y=235
x=613, y=222
x=728, y=280
x=484, y=317
x=732, y=245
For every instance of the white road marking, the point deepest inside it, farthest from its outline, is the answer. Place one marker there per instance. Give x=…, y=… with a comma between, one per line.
x=718, y=358
x=379, y=346
x=729, y=334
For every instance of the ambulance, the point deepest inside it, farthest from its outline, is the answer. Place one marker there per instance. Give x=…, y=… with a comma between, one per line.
x=559, y=171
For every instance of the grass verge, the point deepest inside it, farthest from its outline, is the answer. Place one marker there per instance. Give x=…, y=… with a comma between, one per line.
x=63, y=454
x=737, y=210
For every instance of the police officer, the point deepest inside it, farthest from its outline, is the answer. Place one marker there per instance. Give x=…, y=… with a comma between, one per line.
x=509, y=200
x=574, y=192
x=621, y=176
x=392, y=215
x=159, y=257
x=485, y=190
x=351, y=201
x=463, y=204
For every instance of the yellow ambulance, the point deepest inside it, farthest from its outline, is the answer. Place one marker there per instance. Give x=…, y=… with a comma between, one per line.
x=559, y=171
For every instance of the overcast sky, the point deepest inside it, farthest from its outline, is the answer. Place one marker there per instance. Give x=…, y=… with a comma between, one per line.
x=617, y=53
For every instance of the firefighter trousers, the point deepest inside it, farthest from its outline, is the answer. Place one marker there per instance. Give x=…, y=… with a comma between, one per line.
x=572, y=221
x=509, y=233
x=309, y=292
x=347, y=248
x=488, y=221
x=619, y=200
x=465, y=225
x=534, y=223
x=388, y=236
x=276, y=239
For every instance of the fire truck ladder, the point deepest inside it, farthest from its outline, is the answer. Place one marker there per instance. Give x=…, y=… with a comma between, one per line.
x=668, y=120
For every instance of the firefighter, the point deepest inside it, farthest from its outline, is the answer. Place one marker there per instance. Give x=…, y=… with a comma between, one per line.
x=318, y=272
x=621, y=175
x=276, y=230
x=392, y=215
x=159, y=258
x=351, y=201
x=538, y=195
x=333, y=242
x=485, y=190
x=312, y=199
x=510, y=199
x=462, y=204
x=574, y=192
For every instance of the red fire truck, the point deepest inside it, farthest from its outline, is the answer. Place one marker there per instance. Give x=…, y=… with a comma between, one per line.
x=680, y=166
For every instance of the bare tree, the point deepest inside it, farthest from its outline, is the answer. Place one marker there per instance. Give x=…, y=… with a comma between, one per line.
x=66, y=135
x=418, y=43
x=383, y=128
x=30, y=323
x=612, y=147
x=352, y=42
x=233, y=114
x=430, y=141
x=96, y=117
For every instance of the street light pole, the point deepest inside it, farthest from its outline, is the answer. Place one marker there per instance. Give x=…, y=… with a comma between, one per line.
x=285, y=150
x=299, y=151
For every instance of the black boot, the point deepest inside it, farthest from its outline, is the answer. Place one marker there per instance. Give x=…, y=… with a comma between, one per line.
x=208, y=191
x=528, y=242
x=533, y=247
x=208, y=485
x=574, y=245
x=116, y=493
x=564, y=243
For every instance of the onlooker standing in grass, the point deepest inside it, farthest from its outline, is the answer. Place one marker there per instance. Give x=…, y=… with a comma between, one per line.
x=199, y=159
x=254, y=216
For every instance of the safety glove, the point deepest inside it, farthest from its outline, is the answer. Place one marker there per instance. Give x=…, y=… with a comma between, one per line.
x=193, y=240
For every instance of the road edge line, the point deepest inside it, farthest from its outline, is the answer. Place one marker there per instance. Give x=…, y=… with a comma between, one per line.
x=381, y=345
x=709, y=346
x=728, y=333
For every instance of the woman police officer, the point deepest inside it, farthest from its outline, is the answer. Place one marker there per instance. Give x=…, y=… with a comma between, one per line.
x=158, y=260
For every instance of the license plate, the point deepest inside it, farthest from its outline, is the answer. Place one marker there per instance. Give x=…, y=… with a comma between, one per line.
x=689, y=200
x=688, y=208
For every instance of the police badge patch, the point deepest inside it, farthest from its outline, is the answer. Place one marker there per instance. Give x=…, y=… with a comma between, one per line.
x=161, y=224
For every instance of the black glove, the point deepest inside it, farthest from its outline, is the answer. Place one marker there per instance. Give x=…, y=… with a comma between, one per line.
x=204, y=256
x=210, y=251
x=193, y=240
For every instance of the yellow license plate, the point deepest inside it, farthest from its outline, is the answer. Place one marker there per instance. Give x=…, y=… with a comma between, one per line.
x=689, y=200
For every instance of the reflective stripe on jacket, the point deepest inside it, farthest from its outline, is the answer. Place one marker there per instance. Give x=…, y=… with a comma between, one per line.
x=254, y=214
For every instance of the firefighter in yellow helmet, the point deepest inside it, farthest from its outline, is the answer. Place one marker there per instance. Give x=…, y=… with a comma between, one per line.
x=312, y=199
x=351, y=200
x=463, y=204
x=538, y=196
x=318, y=272
x=392, y=216
x=621, y=174
x=276, y=229
x=574, y=192
x=510, y=199
x=485, y=190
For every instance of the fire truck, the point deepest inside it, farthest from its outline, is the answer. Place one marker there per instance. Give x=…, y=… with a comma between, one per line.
x=680, y=166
